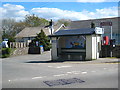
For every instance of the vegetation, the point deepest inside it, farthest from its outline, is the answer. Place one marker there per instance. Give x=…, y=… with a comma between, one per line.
x=66, y=22
x=11, y=28
x=43, y=40
x=34, y=21
x=6, y=52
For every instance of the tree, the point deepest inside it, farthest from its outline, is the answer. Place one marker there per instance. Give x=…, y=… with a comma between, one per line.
x=66, y=22
x=34, y=21
x=10, y=28
x=19, y=26
x=43, y=40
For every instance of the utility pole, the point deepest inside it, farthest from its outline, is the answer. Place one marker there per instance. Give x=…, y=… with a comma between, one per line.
x=111, y=38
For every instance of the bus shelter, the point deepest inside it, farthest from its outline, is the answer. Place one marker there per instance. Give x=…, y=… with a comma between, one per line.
x=76, y=44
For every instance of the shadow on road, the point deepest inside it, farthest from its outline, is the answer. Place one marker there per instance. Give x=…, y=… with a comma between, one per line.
x=59, y=61
x=44, y=61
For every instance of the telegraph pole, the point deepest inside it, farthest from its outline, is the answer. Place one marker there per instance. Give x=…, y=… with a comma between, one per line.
x=111, y=38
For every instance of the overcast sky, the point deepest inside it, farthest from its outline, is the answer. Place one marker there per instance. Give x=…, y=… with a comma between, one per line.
x=74, y=9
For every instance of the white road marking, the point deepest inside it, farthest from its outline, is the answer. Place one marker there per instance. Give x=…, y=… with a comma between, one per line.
x=69, y=72
x=60, y=75
x=63, y=66
x=74, y=72
x=59, y=66
x=84, y=72
x=36, y=77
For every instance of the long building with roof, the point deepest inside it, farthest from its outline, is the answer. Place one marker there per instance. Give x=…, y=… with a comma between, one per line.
x=29, y=33
x=107, y=29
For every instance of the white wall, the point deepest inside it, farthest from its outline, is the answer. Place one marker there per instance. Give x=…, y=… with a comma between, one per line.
x=92, y=46
x=98, y=45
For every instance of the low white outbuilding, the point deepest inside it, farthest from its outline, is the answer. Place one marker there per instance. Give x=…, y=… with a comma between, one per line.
x=76, y=44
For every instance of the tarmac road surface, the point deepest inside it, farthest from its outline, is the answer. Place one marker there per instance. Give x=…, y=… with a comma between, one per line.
x=32, y=71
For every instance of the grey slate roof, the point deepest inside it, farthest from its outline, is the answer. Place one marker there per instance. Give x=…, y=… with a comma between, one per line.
x=87, y=24
x=69, y=32
x=33, y=31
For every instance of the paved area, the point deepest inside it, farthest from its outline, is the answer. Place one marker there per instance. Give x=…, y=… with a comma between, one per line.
x=107, y=60
x=35, y=71
x=46, y=56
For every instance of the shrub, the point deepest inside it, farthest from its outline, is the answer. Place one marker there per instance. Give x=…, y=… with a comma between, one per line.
x=6, y=52
x=43, y=40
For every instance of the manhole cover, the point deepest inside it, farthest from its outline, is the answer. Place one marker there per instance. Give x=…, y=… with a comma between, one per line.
x=63, y=82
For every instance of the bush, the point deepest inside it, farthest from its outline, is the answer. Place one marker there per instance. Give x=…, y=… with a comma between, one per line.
x=43, y=40
x=6, y=52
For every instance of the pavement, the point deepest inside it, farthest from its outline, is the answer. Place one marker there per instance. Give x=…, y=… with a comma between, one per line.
x=46, y=57
x=107, y=60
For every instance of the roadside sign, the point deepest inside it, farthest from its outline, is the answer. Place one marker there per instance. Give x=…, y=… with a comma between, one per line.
x=106, y=24
x=99, y=30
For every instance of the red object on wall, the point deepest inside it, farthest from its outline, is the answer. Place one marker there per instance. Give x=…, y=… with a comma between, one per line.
x=105, y=40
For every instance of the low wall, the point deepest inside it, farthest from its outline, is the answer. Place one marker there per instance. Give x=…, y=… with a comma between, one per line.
x=20, y=51
x=27, y=50
x=105, y=51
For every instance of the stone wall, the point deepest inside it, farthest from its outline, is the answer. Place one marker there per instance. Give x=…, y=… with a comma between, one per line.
x=27, y=50
x=20, y=51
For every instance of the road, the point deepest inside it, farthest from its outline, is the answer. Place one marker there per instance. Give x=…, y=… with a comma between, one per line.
x=32, y=71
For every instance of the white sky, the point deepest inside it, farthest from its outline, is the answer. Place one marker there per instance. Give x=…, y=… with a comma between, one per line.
x=18, y=12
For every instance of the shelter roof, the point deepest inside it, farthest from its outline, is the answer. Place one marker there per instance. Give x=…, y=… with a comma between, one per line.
x=72, y=32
